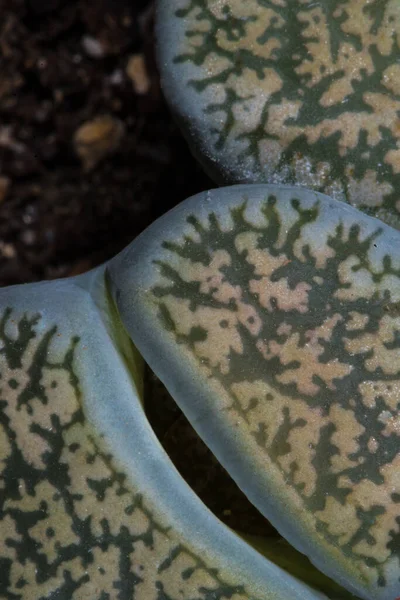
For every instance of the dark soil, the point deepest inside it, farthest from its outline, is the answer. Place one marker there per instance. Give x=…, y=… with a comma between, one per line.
x=72, y=197
x=63, y=64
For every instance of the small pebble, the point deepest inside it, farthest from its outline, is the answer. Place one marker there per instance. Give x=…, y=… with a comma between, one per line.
x=28, y=237
x=92, y=47
x=116, y=77
x=7, y=250
x=96, y=139
x=137, y=72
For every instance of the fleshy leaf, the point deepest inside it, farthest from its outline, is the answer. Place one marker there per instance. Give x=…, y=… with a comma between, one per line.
x=90, y=505
x=296, y=92
x=272, y=315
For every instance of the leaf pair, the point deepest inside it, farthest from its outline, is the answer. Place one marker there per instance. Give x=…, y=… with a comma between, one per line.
x=272, y=316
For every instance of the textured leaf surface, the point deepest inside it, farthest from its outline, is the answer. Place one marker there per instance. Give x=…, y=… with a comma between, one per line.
x=90, y=506
x=273, y=316
x=290, y=91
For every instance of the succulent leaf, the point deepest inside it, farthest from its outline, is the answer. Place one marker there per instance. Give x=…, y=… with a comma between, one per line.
x=272, y=315
x=293, y=91
x=90, y=505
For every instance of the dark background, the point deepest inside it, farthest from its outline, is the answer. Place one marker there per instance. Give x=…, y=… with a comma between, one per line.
x=67, y=206
x=89, y=156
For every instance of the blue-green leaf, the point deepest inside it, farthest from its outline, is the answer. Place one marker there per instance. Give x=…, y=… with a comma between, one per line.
x=272, y=315
x=290, y=91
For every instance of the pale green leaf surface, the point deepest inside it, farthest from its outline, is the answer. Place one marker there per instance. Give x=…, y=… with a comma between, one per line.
x=289, y=91
x=272, y=315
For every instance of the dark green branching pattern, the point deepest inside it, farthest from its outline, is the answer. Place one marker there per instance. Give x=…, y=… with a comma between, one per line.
x=297, y=92
x=301, y=329
x=71, y=525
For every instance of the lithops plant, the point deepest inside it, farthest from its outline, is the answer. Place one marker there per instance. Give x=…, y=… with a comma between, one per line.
x=290, y=91
x=272, y=316
x=90, y=505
